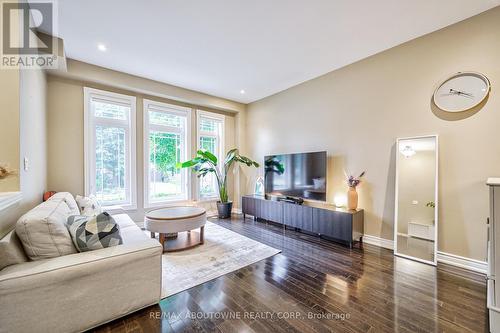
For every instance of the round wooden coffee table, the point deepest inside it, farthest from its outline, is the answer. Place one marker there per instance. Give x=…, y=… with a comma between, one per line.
x=181, y=220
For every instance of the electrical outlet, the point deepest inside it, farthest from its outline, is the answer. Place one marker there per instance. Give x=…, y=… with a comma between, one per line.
x=26, y=164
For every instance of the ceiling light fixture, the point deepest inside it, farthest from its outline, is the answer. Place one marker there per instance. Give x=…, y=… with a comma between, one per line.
x=101, y=47
x=408, y=151
x=242, y=91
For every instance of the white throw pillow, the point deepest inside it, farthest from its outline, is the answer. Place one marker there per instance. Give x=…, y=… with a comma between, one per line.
x=43, y=231
x=89, y=206
x=68, y=199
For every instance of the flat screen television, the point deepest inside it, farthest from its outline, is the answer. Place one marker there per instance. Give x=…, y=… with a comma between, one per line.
x=301, y=175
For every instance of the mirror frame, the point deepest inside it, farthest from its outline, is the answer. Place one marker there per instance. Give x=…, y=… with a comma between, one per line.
x=436, y=210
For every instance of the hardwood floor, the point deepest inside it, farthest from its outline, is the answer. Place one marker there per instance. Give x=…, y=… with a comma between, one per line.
x=315, y=285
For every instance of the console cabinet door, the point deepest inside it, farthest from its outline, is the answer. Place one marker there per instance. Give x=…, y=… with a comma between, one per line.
x=332, y=224
x=271, y=211
x=297, y=216
x=249, y=205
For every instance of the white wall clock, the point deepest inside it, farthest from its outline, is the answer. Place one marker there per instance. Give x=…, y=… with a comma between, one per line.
x=462, y=91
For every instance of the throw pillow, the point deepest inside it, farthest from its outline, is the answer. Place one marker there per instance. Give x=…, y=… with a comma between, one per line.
x=89, y=206
x=94, y=232
x=11, y=250
x=68, y=199
x=43, y=231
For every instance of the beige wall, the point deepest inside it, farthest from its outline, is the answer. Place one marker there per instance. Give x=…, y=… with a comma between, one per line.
x=66, y=142
x=9, y=120
x=357, y=112
x=81, y=71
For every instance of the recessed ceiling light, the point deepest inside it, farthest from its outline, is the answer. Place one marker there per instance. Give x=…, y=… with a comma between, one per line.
x=101, y=47
x=242, y=91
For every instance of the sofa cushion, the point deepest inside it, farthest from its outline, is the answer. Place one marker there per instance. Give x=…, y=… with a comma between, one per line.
x=43, y=231
x=94, y=232
x=124, y=221
x=11, y=250
x=89, y=206
x=68, y=199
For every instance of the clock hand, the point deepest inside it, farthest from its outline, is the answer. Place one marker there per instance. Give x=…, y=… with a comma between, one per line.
x=460, y=93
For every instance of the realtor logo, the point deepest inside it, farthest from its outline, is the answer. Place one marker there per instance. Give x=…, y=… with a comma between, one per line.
x=27, y=30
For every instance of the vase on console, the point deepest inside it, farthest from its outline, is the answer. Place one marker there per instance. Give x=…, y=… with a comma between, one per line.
x=352, y=198
x=352, y=194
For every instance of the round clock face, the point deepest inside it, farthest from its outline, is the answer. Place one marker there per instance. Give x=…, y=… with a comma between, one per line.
x=462, y=91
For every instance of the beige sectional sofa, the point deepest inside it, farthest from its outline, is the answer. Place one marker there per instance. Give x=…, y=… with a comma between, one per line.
x=77, y=291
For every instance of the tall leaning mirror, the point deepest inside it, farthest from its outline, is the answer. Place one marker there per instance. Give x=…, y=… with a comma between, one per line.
x=416, y=209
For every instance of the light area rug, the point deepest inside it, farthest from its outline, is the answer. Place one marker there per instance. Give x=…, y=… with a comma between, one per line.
x=224, y=251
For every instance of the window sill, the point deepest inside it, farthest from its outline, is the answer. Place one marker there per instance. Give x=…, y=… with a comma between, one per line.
x=167, y=203
x=209, y=199
x=118, y=207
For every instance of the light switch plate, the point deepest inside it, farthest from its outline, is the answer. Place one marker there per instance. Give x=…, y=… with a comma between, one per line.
x=26, y=164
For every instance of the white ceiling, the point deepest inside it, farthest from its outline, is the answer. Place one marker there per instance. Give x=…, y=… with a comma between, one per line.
x=220, y=47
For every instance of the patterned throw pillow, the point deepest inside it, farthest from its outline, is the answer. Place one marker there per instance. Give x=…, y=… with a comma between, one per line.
x=94, y=232
x=89, y=206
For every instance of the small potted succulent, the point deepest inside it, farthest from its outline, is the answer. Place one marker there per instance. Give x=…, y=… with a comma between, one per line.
x=206, y=162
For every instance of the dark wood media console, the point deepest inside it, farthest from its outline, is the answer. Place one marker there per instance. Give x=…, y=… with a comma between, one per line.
x=333, y=223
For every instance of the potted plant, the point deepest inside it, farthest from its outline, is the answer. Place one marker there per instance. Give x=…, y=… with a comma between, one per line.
x=205, y=162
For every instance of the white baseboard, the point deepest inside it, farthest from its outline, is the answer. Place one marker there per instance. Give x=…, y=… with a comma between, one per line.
x=377, y=241
x=443, y=257
x=462, y=262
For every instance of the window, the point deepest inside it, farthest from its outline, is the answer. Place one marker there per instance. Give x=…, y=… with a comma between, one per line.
x=211, y=138
x=166, y=142
x=110, y=147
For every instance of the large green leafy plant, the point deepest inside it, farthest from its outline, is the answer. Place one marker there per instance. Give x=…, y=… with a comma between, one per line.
x=205, y=162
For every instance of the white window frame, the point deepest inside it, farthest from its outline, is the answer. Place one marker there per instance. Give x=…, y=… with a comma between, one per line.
x=186, y=173
x=199, y=133
x=90, y=122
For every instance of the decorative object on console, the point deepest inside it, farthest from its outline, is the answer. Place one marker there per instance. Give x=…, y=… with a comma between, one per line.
x=6, y=172
x=89, y=206
x=94, y=232
x=352, y=194
x=340, y=200
x=462, y=91
x=206, y=162
x=259, y=186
